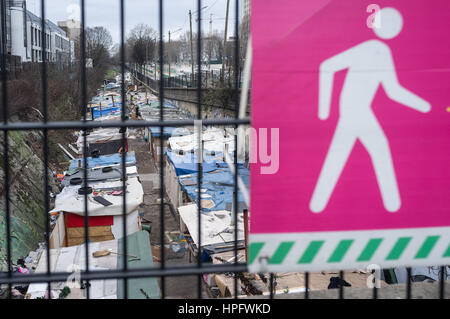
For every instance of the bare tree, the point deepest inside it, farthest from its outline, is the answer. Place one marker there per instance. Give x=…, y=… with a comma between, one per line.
x=244, y=31
x=216, y=41
x=141, y=44
x=98, y=45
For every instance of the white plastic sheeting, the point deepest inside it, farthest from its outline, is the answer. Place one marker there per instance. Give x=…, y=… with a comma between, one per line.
x=214, y=140
x=70, y=201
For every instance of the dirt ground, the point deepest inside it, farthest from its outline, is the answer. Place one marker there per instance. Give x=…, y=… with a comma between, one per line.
x=175, y=287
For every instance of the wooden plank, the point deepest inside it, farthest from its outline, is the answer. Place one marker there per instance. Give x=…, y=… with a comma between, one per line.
x=80, y=240
x=225, y=283
x=94, y=231
x=173, y=188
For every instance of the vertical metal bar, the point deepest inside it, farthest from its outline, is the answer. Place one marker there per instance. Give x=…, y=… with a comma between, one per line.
x=200, y=152
x=45, y=139
x=442, y=282
x=161, y=147
x=124, y=151
x=306, y=285
x=236, y=116
x=271, y=287
x=408, y=283
x=84, y=110
x=341, y=286
x=6, y=145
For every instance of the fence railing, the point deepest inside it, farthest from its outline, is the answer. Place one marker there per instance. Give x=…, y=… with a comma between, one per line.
x=210, y=79
x=160, y=84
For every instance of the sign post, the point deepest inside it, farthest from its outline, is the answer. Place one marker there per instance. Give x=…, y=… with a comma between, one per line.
x=360, y=94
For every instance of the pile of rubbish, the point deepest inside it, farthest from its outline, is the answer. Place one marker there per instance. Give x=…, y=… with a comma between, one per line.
x=23, y=266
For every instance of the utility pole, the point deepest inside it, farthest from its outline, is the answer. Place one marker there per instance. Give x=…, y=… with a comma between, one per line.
x=225, y=41
x=192, y=48
x=155, y=54
x=168, y=55
x=210, y=25
x=146, y=58
x=169, y=51
x=210, y=41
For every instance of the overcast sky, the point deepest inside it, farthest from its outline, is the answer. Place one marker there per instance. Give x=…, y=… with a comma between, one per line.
x=106, y=13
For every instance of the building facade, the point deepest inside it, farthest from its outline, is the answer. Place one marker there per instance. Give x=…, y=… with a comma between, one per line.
x=26, y=37
x=6, y=15
x=72, y=28
x=73, y=31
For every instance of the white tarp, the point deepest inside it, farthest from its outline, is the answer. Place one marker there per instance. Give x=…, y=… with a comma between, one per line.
x=72, y=259
x=214, y=140
x=70, y=201
x=216, y=226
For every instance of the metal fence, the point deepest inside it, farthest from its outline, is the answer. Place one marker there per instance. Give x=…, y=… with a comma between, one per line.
x=209, y=79
x=124, y=273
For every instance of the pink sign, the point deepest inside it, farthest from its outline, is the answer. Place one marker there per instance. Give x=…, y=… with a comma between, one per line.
x=361, y=96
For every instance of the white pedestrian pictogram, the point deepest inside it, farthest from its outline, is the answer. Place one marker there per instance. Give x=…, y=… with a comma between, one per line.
x=369, y=65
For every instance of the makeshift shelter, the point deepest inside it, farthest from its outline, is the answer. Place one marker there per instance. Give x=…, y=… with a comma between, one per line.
x=217, y=188
x=155, y=137
x=103, y=161
x=72, y=259
x=214, y=139
x=105, y=209
x=102, y=141
x=96, y=175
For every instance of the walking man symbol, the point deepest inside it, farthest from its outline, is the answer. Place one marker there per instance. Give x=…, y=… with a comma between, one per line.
x=369, y=64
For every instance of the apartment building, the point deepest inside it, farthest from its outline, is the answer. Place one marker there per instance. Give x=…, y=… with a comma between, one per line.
x=26, y=37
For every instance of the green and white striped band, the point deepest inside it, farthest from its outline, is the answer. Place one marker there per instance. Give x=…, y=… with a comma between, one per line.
x=317, y=251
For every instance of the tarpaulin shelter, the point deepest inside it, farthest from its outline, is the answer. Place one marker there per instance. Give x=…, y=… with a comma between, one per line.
x=72, y=259
x=105, y=209
x=104, y=160
x=217, y=188
x=95, y=175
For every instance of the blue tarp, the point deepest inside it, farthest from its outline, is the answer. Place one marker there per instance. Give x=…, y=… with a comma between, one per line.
x=187, y=163
x=219, y=184
x=104, y=160
x=111, y=85
x=168, y=131
x=106, y=110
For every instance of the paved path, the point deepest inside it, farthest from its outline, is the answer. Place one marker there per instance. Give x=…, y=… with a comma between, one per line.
x=175, y=287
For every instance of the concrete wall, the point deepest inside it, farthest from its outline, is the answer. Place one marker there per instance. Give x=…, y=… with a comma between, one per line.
x=211, y=97
x=208, y=111
x=215, y=102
